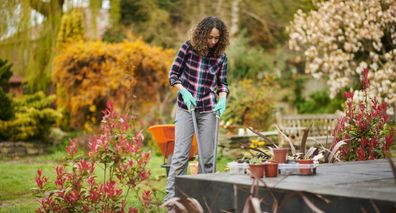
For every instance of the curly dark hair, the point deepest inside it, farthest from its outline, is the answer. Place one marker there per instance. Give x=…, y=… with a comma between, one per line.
x=201, y=32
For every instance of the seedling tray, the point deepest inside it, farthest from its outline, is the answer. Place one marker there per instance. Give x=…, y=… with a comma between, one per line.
x=237, y=168
x=297, y=169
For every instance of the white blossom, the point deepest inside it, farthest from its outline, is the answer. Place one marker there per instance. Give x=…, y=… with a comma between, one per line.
x=341, y=38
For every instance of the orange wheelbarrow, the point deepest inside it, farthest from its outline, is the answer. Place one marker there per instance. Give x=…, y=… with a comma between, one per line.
x=164, y=136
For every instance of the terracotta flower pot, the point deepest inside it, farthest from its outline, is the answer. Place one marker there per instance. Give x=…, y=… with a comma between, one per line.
x=280, y=154
x=256, y=170
x=271, y=169
x=304, y=170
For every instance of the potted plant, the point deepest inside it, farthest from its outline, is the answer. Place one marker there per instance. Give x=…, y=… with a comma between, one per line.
x=307, y=159
x=280, y=154
x=271, y=169
x=193, y=166
x=256, y=167
x=306, y=166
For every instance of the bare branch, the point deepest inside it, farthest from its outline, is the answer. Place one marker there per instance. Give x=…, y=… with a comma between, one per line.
x=41, y=7
x=304, y=138
x=265, y=138
x=293, y=150
x=45, y=7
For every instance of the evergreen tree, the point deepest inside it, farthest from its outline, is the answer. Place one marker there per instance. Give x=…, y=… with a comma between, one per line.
x=6, y=108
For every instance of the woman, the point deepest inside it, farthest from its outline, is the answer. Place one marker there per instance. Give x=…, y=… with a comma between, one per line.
x=199, y=73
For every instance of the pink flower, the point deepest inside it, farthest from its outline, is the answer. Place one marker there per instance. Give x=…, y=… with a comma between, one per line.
x=361, y=154
x=83, y=166
x=348, y=95
x=94, y=195
x=72, y=149
x=40, y=180
x=146, y=156
x=389, y=139
x=91, y=181
x=124, y=123
x=110, y=190
x=146, y=197
x=144, y=175
x=60, y=176
x=73, y=197
x=93, y=147
x=138, y=139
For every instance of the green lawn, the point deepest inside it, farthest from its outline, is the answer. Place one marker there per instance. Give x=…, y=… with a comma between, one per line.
x=17, y=177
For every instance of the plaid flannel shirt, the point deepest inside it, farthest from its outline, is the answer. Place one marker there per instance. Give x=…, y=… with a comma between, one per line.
x=202, y=76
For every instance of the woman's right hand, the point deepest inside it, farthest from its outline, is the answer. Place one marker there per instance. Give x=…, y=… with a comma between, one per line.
x=188, y=99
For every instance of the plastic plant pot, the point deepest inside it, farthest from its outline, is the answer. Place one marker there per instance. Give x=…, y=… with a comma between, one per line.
x=280, y=154
x=271, y=169
x=256, y=170
x=305, y=169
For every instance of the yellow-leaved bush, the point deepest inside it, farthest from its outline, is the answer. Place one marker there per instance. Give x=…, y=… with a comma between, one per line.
x=71, y=29
x=251, y=104
x=33, y=119
x=87, y=74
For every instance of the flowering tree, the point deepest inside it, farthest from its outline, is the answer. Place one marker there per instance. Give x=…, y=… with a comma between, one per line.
x=342, y=38
x=363, y=128
x=78, y=189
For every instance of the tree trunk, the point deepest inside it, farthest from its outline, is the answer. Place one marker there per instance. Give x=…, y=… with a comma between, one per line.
x=46, y=8
x=234, y=18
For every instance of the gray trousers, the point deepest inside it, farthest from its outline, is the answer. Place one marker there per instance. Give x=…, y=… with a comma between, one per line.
x=184, y=131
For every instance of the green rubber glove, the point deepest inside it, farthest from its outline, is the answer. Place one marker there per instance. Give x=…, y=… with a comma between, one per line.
x=221, y=105
x=188, y=99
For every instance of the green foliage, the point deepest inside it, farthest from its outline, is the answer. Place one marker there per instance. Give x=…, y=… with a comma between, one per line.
x=320, y=102
x=115, y=13
x=6, y=106
x=256, y=160
x=114, y=35
x=250, y=104
x=254, y=62
x=149, y=20
x=266, y=20
x=71, y=29
x=33, y=118
x=30, y=47
x=245, y=62
x=5, y=73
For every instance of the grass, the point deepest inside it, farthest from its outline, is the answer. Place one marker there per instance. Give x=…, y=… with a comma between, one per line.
x=17, y=178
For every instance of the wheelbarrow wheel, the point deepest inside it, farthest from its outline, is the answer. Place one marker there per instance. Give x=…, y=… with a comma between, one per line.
x=167, y=164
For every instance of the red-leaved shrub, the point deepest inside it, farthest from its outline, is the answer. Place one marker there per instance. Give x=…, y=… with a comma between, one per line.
x=77, y=188
x=364, y=127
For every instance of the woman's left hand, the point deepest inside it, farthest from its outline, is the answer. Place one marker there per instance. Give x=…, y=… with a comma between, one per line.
x=221, y=105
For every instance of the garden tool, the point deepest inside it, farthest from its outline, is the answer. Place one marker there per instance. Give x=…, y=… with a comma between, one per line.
x=200, y=158
x=216, y=140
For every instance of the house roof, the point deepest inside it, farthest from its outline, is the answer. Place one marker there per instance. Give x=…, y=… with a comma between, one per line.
x=15, y=78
